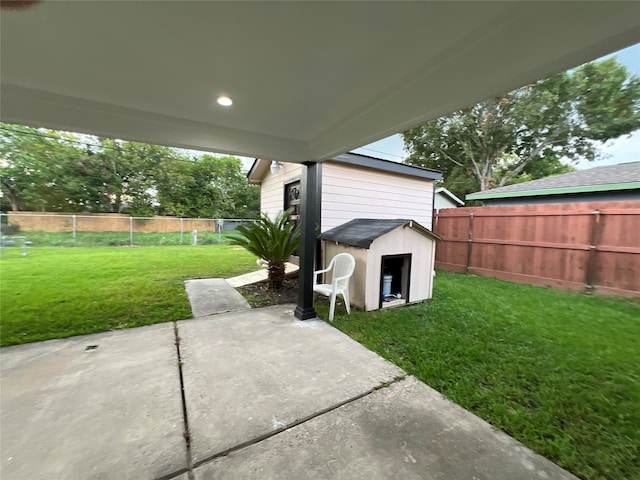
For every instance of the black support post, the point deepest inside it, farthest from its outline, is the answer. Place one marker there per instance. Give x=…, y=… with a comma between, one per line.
x=309, y=218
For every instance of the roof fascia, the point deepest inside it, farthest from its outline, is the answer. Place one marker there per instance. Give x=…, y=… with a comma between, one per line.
x=450, y=195
x=422, y=230
x=387, y=166
x=252, y=170
x=257, y=171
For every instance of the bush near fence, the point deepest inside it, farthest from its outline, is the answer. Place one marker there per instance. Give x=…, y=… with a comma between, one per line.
x=55, y=229
x=578, y=246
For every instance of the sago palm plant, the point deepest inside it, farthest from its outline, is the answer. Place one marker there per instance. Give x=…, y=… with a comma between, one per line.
x=273, y=241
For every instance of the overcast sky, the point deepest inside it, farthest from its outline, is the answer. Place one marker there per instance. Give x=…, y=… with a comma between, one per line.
x=622, y=150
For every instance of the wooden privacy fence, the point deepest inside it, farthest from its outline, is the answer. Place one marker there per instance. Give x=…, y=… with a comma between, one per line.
x=578, y=246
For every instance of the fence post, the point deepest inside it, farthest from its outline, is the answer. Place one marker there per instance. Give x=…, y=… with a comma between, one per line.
x=220, y=225
x=180, y=230
x=470, y=243
x=590, y=273
x=130, y=231
x=73, y=228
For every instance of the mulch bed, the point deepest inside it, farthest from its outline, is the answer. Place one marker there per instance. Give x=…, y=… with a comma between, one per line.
x=260, y=294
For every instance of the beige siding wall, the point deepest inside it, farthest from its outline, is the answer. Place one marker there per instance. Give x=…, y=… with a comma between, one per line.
x=358, y=279
x=398, y=242
x=352, y=192
x=272, y=188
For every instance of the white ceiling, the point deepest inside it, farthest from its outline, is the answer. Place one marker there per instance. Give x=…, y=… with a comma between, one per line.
x=310, y=80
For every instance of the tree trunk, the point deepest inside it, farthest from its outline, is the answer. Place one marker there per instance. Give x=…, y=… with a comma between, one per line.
x=13, y=201
x=276, y=275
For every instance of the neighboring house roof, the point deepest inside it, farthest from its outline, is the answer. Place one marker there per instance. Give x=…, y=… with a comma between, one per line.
x=361, y=232
x=624, y=176
x=260, y=167
x=447, y=193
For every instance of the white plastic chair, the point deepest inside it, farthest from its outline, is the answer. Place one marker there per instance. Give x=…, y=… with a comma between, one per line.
x=342, y=266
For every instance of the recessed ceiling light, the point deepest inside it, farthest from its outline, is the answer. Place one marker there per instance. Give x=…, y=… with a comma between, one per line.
x=225, y=101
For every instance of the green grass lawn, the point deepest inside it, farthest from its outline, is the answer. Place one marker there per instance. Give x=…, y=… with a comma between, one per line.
x=119, y=239
x=559, y=371
x=59, y=292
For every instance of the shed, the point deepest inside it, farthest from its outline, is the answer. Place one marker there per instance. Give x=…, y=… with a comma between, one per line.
x=350, y=186
x=401, y=248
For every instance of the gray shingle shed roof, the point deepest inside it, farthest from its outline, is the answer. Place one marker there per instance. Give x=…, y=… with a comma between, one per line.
x=624, y=176
x=361, y=232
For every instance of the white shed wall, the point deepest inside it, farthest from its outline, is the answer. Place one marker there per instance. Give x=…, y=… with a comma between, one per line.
x=358, y=279
x=350, y=192
x=398, y=242
x=272, y=188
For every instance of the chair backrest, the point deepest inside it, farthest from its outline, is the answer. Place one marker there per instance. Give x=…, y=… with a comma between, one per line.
x=343, y=266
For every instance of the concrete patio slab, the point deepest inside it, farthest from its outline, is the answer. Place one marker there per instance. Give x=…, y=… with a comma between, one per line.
x=406, y=430
x=93, y=407
x=209, y=296
x=267, y=397
x=248, y=374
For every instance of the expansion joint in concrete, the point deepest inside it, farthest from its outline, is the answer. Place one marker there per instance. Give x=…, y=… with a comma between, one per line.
x=261, y=438
x=185, y=414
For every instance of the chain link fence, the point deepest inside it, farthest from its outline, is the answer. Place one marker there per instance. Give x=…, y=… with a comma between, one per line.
x=51, y=229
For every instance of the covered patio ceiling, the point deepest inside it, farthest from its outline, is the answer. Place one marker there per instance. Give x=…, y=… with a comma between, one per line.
x=308, y=80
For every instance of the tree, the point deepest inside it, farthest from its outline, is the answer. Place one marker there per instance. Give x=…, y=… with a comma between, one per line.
x=273, y=241
x=59, y=171
x=524, y=134
x=31, y=160
x=206, y=186
x=116, y=176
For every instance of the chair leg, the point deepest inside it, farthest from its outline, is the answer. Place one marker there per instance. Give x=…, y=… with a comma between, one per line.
x=345, y=296
x=333, y=306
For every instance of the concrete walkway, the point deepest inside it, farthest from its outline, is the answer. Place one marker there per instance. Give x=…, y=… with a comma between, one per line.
x=209, y=296
x=258, y=275
x=265, y=396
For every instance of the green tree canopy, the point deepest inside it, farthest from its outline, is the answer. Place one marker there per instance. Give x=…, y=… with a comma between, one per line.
x=59, y=171
x=524, y=134
x=113, y=176
x=31, y=164
x=206, y=186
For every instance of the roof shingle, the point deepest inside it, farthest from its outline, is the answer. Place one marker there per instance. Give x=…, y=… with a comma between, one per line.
x=361, y=232
x=598, y=176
